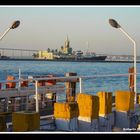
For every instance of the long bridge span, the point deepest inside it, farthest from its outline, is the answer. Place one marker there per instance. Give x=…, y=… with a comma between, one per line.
x=28, y=54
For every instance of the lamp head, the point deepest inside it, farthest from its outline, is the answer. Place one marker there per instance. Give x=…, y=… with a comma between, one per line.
x=114, y=23
x=15, y=24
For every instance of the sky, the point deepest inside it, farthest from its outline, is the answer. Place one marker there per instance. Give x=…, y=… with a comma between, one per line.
x=43, y=27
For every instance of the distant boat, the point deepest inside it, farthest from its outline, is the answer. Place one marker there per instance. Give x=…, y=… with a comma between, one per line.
x=80, y=57
x=4, y=57
x=92, y=56
x=77, y=57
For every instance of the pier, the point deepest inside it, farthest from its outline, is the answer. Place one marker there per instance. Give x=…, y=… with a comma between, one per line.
x=104, y=111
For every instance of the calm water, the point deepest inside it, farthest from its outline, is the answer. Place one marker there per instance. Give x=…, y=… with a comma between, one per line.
x=91, y=86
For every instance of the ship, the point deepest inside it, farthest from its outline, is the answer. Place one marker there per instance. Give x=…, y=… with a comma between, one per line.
x=66, y=53
x=89, y=56
x=79, y=56
x=3, y=57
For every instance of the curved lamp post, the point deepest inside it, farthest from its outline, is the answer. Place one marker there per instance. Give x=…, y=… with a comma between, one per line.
x=114, y=24
x=13, y=26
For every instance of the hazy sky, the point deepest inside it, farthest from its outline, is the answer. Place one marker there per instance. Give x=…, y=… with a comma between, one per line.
x=47, y=27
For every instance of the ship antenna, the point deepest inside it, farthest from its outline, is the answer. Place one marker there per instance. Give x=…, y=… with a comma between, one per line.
x=87, y=46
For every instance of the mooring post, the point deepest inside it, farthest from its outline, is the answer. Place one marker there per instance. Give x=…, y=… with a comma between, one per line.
x=131, y=79
x=70, y=88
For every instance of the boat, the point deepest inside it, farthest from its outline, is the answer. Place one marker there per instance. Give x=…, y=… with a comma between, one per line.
x=66, y=53
x=3, y=57
x=91, y=56
x=79, y=56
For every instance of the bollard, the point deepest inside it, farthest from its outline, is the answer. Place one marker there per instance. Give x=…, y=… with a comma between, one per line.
x=66, y=116
x=106, y=116
x=88, y=112
x=105, y=101
x=124, y=100
x=125, y=115
x=131, y=79
x=25, y=121
x=70, y=88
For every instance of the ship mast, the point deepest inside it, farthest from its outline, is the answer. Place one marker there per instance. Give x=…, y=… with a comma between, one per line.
x=87, y=47
x=67, y=43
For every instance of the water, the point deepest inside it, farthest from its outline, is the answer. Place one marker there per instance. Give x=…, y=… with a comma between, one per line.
x=91, y=86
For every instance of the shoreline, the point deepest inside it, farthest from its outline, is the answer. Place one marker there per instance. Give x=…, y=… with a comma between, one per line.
x=97, y=61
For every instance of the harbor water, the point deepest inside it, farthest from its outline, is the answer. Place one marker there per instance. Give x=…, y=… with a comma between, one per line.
x=58, y=69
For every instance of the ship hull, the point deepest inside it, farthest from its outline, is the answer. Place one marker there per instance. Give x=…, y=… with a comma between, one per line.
x=93, y=59
x=86, y=59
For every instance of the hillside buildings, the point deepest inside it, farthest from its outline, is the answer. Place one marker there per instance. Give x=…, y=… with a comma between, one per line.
x=51, y=54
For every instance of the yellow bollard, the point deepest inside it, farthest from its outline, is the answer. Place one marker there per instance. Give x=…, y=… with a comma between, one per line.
x=124, y=100
x=25, y=121
x=88, y=105
x=105, y=101
x=66, y=110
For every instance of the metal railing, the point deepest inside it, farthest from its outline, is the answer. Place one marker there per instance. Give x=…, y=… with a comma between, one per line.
x=36, y=89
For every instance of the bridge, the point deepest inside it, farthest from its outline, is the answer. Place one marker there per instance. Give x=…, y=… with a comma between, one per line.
x=28, y=54
x=17, y=53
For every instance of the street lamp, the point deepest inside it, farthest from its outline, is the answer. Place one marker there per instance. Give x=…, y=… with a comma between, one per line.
x=13, y=26
x=114, y=24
